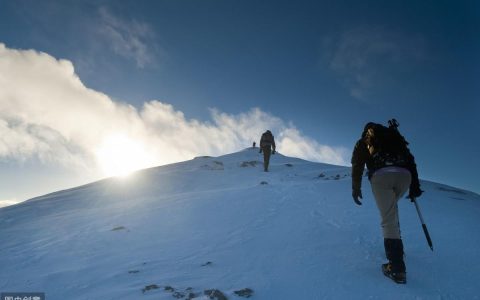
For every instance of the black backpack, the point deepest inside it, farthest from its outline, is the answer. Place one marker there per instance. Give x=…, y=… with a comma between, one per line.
x=386, y=145
x=267, y=139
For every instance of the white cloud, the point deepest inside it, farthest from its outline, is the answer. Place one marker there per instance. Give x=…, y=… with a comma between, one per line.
x=298, y=145
x=368, y=57
x=46, y=113
x=130, y=39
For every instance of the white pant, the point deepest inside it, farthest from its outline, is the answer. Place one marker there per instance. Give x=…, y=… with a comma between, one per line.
x=388, y=188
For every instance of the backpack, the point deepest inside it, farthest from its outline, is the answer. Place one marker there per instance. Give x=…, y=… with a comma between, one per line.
x=267, y=139
x=387, y=147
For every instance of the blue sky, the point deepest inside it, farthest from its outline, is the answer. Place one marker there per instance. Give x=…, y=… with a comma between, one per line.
x=314, y=71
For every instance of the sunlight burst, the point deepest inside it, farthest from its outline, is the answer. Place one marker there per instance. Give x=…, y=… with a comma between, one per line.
x=120, y=155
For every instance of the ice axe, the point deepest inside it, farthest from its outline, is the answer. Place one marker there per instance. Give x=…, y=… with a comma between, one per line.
x=393, y=123
x=425, y=230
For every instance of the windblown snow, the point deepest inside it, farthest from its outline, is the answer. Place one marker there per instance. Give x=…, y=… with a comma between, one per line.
x=221, y=228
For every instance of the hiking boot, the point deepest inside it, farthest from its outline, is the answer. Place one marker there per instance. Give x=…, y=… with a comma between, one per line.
x=398, y=277
x=395, y=268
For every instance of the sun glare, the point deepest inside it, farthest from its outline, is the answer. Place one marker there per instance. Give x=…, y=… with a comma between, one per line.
x=119, y=155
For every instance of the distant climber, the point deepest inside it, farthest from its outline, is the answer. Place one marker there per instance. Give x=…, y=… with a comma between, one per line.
x=267, y=146
x=253, y=146
x=391, y=171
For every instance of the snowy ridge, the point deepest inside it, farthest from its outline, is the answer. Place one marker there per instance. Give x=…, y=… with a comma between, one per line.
x=221, y=225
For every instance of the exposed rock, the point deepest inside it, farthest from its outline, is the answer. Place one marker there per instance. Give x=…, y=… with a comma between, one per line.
x=208, y=263
x=133, y=271
x=214, y=165
x=169, y=288
x=119, y=228
x=247, y=293
x=191, y=296
x=263, y=183
x=249, y=164
x=289, y=165
x=150, y=287
x=178, y=295
x=215, y=294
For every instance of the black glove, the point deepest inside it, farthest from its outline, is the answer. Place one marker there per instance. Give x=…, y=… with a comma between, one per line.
x=273, y=152
x=357, y=193
x=414, y=192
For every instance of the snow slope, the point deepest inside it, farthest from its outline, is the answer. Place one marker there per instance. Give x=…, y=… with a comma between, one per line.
x=222, y=223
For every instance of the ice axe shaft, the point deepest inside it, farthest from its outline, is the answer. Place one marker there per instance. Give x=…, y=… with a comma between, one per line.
x=425, y=230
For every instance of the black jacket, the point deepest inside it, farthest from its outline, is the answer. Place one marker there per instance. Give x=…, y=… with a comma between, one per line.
x=361, y=157
x=267, y=141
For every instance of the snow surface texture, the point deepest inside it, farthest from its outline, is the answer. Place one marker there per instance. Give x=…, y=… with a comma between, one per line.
x=224, y=225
